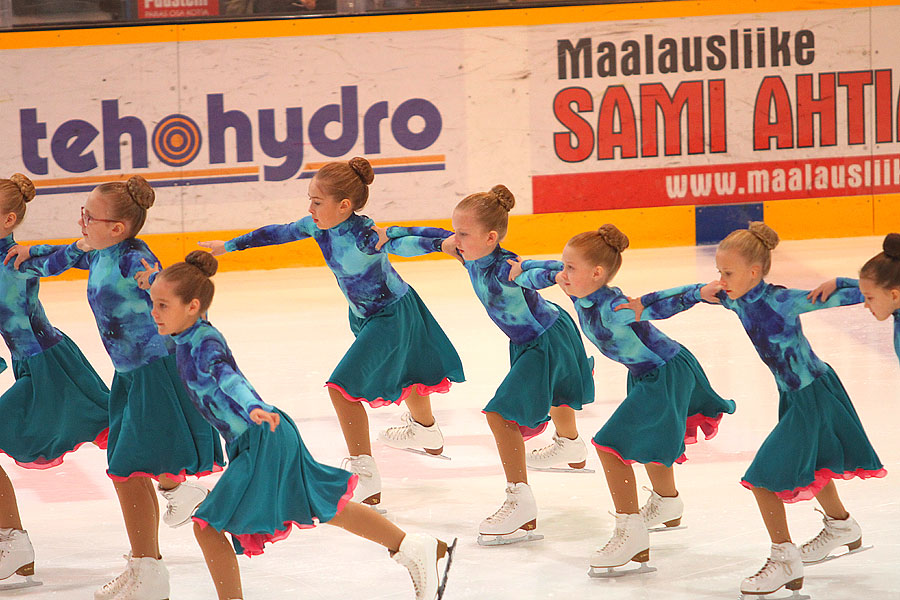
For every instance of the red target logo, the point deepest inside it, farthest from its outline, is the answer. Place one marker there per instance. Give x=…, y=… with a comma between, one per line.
x=176, y=140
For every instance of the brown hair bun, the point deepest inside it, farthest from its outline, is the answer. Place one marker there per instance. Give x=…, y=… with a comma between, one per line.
x=891, y=245
x=363, y=169
x=610, y=234
x=140, y=191
x=25, y=186
x=204, y=261
x=504, y=197
x=765, y=234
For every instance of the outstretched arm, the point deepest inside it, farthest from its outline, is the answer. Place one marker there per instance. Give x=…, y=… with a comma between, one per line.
x=414, y=241
x=535, y=274
x=269, y=235
x=47, y=261
x=666, y=303
x=799, y=302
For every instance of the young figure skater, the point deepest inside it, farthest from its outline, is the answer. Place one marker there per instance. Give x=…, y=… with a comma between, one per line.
x=154, y=430
x=550, y=374
x=878, y=284
x=669, y=396
x=400, y=352
x=57, y=402
x=272, y=482
x=819, y=436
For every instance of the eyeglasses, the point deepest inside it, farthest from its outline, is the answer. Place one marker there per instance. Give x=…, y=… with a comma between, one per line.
x=88, y=219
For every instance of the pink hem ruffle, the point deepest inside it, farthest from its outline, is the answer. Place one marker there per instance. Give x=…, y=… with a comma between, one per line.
x=421, y=389
x=527, y=432
x=708, y=425
x=678, y=461
x=178, y=478
x=823, y=476
x=100, y=441
x=254, y=543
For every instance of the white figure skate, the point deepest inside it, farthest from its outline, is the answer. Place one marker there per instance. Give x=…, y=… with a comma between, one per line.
x=181, y=502
x=662, y=514
x=421, y=555
x=414, y=437
x=16, y=559
x=368, y=486
x=835, y=534
x=630, y=542
x=783, y=569
x=561, y=456
x=148, y=580
x=515, y=521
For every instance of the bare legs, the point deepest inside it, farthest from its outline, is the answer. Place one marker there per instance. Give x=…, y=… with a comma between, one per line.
x=622, y=484
x=511, y=447
x=9, y=508
x=141, y=513
x=563, y=418
x=772, y=509
x=831, y=503
x=420, y=409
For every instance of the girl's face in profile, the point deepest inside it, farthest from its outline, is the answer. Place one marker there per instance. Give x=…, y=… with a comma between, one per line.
x=473, y=240
x=736, y=275
x=881, y=302
x=327, y=211
x=579, y=277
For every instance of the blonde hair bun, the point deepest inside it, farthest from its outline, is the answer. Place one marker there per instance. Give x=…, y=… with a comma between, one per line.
x=25, y=186
x=363, y=169
x=765, y=234
x=891, y=245
x=504, y=197
x=140, y=191
x=204, y=261
x=611, y=234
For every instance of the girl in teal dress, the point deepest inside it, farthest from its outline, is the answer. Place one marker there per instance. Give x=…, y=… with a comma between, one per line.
x=819, y=436
x=57, y=402
x=272, y=482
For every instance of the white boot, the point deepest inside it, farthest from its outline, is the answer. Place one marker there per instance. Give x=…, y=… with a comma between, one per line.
x=420, y=555
x=16, y=554
x=662, y=511
x=630, y=541
x=182, y=500
x=514, y=521
x=111, y=588
x=414, y=436
x=783, y=568
x=149, y=580
x=835, y=534
x=368, y=487
x=561, y=452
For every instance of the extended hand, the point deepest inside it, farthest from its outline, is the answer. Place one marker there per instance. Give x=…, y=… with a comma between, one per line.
x=143, y=277
x=18, y=252
x=709, y=292
x=822, y=292
x=260, y=416
x=382, y=236
x=217, y=247
x=515, y=268
x=634, y=304
x=449, y=246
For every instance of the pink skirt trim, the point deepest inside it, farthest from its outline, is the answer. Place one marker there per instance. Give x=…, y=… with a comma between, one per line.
x=43, y=463
x=708, y=425
x=421, y=389
x=678, y=461
x=527, y=432
x=182, y=476
x=254, y=543
x=823, y=476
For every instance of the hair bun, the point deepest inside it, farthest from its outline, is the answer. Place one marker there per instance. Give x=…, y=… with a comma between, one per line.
x=765, y=234
x=363, y=169
x=891, y=245
x=504, y=197
x=204, y=261
x=25, y=186
x=140, y=191
x=611, y=234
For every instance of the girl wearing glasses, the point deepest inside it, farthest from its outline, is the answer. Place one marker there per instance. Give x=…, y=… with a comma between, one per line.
x=154, y=430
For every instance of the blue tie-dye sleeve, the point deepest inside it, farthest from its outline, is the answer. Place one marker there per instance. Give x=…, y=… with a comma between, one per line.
x=796, y=301
x=48, y=261
x=230, y=382
x=271, y=235
x=415, y=241
x=539, y=274
x=897, y=334
x=666, y=303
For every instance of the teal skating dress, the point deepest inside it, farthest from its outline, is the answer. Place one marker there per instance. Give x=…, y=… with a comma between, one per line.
x=399, y=347
x=668, y=395
x=548, y=364
x=58, y=401
x=153, y=427
x=272, y=482
x=819, y=436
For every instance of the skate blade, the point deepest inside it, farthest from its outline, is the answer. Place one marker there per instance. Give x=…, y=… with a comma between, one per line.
x=451, y=550
x=796, y=595
x=422, y=453
x=611, y=572
x=505, y=540
x=26, y=582
x=836, y=556
x=561, y=470
x=657, y=528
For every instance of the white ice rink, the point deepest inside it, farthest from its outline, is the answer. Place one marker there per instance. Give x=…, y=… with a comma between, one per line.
x=288, y=328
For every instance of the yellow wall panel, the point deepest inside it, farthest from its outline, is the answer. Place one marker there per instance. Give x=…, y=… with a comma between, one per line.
x=820, y=217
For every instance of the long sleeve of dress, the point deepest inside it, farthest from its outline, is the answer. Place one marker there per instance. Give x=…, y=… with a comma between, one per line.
x=666, y=303
x=796, y=301
x=271, y=235
x=539, y=274
x=415, y=241
x=231, y=383
x=47, y=261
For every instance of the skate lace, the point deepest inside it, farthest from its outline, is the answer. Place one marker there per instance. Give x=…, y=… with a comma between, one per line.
x=401, y=432
x=504, y=511
x=619, y=537
x=415, y=570
x=770, y=566
x=548, y=451
x=348, y=465
x=825, y=536
x=119, y=582
x=651, y=509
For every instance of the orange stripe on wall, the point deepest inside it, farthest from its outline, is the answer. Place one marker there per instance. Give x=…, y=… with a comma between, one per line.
x=377, y=162
x=158, y=175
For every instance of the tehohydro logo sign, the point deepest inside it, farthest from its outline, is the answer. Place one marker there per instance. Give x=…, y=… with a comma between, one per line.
x=229, y=136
